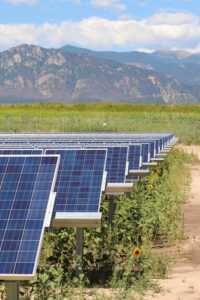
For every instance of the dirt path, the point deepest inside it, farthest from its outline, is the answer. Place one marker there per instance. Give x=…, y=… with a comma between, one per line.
x=184, y=281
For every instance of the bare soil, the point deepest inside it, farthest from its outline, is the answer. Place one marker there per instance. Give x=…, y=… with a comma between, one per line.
x=183, y=283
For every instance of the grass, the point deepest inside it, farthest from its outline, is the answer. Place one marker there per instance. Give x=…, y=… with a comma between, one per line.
x=182, y=119
x=181, y=112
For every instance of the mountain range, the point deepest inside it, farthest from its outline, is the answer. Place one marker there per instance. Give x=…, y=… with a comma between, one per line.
x=30, y=73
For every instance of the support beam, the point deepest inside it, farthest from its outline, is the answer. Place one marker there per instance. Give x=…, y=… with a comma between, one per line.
x=165, y=150
x=140, y=172
x=161, y=155
x=111, y=210
x=157, y=159
x=119, y=187
x=77, y=219
x=149, y=165
x=12, y=290
x=79, y=247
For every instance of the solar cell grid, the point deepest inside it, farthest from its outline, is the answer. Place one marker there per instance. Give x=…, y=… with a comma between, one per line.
x=19, y=151
x=25, y=186
x=134, y=159
x=134, y=156
x=145, y=152
x=79, y=180
x=116, y=164
x=117, y=157
x=43, y=140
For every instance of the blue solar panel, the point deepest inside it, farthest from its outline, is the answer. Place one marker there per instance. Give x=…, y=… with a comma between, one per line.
x=134, y=158
x=116, y=164
x=152, y=148
x=79, y=180
x=25, y=186
x=19, y=151
x=117, y=157
x=145, y=152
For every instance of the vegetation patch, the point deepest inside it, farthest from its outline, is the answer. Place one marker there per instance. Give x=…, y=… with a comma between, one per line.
x=182, y=119
x=121, y=260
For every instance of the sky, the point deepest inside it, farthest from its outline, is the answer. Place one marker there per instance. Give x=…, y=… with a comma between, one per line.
x=119, y=25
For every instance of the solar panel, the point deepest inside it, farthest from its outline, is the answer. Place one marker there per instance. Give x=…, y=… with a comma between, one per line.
x=79, y=180
x=134, y=156
x=145, y=152
x=19, y=151
x=134, y=159
x=57, y=140
x=26, y=196
x=116, y=162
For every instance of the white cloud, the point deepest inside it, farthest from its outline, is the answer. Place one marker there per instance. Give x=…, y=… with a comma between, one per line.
x=78, y=2
x=142, y=3
x=108, y=3
x=29, y=2
x=125, y=17
x=176, y=18
x=162, y=30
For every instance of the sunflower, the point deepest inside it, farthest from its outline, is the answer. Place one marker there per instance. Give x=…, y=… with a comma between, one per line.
x=151, y=176
x=158, y=165
x=158, y=173
x=136, y=196
x=137, y=252
x=150, y=186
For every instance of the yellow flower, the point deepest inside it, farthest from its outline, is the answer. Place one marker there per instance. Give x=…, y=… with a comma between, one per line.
x=150, y=186
x=151, y=176
x=136, y=196
x=137, y=252
x=158, y=173
x=158, y=165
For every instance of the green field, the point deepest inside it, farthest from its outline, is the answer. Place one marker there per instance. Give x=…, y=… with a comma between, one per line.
x=148, y=218
x=183, y=120
x=179, y=112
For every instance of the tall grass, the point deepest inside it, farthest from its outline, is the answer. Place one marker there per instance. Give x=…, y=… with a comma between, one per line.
x=104, y=110
x=183, y=120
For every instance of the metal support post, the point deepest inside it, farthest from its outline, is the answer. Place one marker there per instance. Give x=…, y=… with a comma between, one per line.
x=79, y=247
x=12, y=290
x=111, y=210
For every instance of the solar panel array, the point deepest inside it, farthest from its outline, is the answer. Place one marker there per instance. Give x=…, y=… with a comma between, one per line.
x=25, y=186
x=29, y=174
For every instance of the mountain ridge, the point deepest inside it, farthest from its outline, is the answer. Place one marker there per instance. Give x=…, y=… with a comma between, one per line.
x=181, y=65
x=40, y=74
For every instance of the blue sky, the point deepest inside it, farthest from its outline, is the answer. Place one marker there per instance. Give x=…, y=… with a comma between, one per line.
x=125, y=25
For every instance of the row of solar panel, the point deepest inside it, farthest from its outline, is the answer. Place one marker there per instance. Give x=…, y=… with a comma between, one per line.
x=29, y=182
